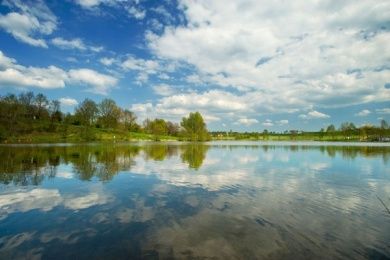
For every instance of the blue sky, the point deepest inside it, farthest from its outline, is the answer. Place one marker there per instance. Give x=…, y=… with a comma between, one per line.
x=246, y=65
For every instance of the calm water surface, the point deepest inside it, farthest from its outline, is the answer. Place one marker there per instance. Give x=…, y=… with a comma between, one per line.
x=241, y=200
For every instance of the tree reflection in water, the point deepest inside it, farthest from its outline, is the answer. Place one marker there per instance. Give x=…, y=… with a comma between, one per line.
x=30, y=165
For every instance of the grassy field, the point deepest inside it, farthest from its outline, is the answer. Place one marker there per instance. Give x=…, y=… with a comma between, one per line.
x=75, y=134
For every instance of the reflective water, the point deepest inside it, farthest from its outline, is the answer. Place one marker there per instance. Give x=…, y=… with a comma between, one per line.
x=241, y=200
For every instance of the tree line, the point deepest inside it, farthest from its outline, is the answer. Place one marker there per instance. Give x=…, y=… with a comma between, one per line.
x=346, y=131
x=27, y=113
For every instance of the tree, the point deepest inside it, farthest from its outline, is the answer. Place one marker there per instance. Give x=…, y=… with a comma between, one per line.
x=109, y=113
x=159, y=127
x=384, y=124
x=54, y=113
x=348, y=129
x=128, y=118
x=195, y=127
x=87, y=112
x=156, y=127
x=173, y=128
x=27, y=101
x=330, y=129
x=41, y=104
x=10, y=112
x=322, y=133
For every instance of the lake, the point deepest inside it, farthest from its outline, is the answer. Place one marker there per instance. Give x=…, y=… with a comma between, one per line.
x=226, y=200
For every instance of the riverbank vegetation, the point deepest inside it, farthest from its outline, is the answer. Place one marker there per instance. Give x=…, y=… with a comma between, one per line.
x=346, y=132
x=30, y=118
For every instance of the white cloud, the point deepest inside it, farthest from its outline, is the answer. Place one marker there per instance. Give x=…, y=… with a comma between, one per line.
x=28, y=22
x=217, y=103
x=89, y=3
x=302, y=53
x=107, y=61
x=74, y=44
x=21, y=27
x=136, y=13
x=268, y=123
x=67, y=101
x=282, y=122
x=212, y=104
x=14, y=74
x=148, y=66
x=383, y=111
x=314, y=115
x=163, y=90
x=364, y=112
x=99, y=83
x=246, y=121
x=161, y=10
x=69, y=44
x=145, y=68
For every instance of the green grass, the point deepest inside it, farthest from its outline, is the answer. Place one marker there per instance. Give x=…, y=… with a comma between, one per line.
x=75, y=134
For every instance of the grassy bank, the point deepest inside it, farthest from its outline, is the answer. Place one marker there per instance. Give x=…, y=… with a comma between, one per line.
x=308, y=136
x=78, y=134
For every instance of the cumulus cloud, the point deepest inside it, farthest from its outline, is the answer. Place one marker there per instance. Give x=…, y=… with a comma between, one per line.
x=383, y=110
x=132, y=7
x=99, y=83
x=74, y=44
x=13, y=74
x=246, y=121
x=282, y=122
x=148, y=66
x=364, y=112
x=298, y=54
x=69, y=44
x=107, y=61
x=268, y=123
x=89, y=3
x=136, y=13
x=212, y=104
x=51, y=77
x=314, y=115
x=67, y=101
x=163, y=90
x=28, y=22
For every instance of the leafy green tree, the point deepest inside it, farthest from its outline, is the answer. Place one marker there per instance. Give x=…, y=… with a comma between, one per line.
x=331, y=129
x=27, y=101
x=159, y=127
x=109, y=113
x=41, y=102
x=195, y=128
x=348, y=129
x=128, y=119
x=87, y=112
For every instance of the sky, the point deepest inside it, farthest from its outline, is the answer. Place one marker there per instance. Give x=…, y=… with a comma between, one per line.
x=246, y=65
